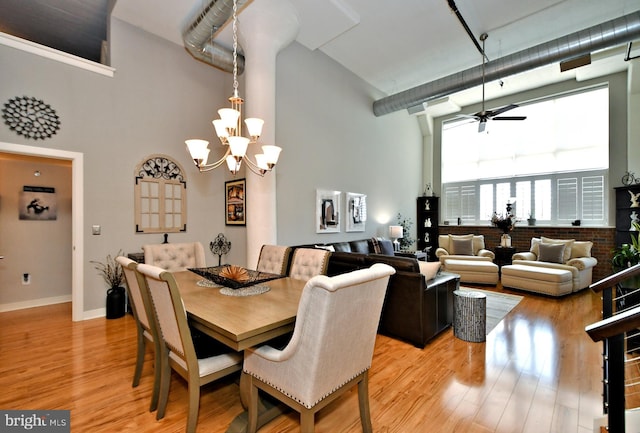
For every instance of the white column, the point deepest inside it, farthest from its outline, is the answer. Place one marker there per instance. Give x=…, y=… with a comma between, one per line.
x=264, y=28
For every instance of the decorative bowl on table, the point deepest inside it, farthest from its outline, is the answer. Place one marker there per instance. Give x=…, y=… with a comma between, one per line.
x=234, y=277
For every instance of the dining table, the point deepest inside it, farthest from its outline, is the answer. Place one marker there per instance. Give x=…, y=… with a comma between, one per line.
x=241, y=322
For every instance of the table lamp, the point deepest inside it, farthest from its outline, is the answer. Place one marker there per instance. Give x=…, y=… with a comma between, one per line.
x=395, y=233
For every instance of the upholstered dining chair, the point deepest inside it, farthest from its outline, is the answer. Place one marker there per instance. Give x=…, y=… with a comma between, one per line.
x=309, y=262
x=178, y=352
x=147, y=330
x=331, y=348
x=273, y=259
x=175, y=257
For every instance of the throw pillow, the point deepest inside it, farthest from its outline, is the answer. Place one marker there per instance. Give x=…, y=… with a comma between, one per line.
x=375, y=242
x=386, y=247
x=463, y=247
x=325, y=247
x=552, y=253
x=581, y=249
x=429, y=269
x=478, y=244
x=458, y=237
x=534, y=245
x=568, y=243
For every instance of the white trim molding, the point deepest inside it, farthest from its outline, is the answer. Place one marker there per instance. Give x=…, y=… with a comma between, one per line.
x=53, y=54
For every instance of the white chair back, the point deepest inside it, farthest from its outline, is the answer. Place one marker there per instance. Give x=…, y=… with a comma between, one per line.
x=309, y=262
x=169, y=309
x=138, y=303
x=333, y=337
x=273, y=259
x=175, y=257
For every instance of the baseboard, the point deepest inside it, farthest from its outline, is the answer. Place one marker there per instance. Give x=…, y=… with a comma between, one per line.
x=35, y=303
x=94, y=314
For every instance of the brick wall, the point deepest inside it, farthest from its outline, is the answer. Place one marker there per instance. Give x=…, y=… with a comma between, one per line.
x=603, y=240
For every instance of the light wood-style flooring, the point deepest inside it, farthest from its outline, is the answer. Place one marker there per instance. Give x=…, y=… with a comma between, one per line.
x=537, y=372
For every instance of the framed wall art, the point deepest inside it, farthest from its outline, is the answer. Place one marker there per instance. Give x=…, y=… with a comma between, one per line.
x=356, y=205
x=38, y=203
x=327, y=211
x=235, y=202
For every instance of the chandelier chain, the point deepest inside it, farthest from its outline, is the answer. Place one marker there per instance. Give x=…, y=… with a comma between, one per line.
x=235, y=48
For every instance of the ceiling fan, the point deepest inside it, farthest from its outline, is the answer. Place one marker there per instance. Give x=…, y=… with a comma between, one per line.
x=483, y=115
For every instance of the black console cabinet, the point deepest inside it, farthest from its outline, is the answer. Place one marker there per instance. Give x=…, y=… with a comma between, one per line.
x=627, y=210
x=427, y=225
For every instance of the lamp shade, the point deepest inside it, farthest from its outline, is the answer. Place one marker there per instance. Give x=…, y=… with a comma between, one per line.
x=254, y=126
x=198, y=149
x=395, y=232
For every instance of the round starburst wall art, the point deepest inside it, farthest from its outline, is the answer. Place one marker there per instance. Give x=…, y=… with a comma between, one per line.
x=30, y=117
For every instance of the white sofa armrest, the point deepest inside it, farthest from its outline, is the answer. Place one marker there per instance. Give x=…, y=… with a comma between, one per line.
x=583, y=262
x=441, y=252
x=486, y=253
x=525, y=256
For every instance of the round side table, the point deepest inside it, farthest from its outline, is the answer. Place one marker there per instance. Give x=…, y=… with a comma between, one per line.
x=470, y=316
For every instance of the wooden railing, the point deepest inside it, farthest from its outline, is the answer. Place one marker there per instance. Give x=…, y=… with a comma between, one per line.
x=619, y=318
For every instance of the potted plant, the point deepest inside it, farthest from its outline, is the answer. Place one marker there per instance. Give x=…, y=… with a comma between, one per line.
x=531, y=220
x=405, y=241
x=627, y=255
x=112, y=273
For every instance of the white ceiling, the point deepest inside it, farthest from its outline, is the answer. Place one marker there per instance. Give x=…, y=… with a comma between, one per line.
x=398, y=44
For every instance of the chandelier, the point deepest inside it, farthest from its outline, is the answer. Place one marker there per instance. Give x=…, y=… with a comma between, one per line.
x=229, y=130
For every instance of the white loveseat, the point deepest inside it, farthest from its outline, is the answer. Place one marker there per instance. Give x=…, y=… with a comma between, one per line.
x=552, y=266
x=467, y=256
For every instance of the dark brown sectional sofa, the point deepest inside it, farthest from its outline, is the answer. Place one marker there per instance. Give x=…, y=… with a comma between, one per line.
x=415, y=310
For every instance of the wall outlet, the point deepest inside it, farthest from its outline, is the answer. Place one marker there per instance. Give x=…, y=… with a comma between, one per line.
x=26, y=279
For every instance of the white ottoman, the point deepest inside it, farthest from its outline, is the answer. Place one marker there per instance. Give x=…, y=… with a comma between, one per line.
x=470, y=316
x=549, y=281
x=473, y=271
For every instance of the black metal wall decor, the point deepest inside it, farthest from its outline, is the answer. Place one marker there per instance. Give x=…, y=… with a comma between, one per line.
x=31, y=117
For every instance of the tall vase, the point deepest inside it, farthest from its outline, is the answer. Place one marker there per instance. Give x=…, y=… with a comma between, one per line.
x=505, y=240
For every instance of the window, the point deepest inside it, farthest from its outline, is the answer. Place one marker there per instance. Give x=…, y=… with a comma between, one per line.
x=160, y=196
x=574, y=196
x=554, y=164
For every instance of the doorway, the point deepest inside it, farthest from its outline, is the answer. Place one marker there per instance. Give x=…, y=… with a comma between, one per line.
x=77, y=220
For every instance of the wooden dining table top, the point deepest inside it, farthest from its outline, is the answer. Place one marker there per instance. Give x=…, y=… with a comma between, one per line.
x=241, y=321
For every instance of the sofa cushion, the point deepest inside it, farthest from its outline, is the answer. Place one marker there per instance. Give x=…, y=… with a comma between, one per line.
x=568, y=243
x=360, y=246
x=581, y=249
x=342, y=246
x=552, y=253
x=429, y=269
x=461, y=247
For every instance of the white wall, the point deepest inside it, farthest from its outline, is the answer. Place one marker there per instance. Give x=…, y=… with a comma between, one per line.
x=331, y=140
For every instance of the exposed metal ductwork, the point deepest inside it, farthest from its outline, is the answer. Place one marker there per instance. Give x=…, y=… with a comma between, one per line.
x=198, y=40
x=606, y=35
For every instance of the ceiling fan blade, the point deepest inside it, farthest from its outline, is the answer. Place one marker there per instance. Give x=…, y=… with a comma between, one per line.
x=501, y=110
x=510, y=118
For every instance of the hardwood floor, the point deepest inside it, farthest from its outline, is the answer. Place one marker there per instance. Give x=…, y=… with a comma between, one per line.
x=537, y=372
